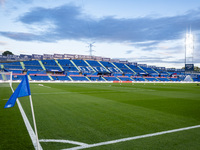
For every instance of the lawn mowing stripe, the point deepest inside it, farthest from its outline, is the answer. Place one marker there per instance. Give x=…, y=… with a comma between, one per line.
x=71, y=92
x=132, y=138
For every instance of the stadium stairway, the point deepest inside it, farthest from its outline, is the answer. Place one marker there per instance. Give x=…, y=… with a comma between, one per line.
x=59, y=65
x=2, y=66
x=103, y=78
x=29, y=77
x=70, y=78
x=142, y=69
x=41, y=64
x=117, y=67
x=89, y=65
x=22, y=64
x=130, y=69
x=75, y=65
x=88, y=78
x=3, y=77
x=50, y=77
x=155, y=71
x=103, y=66
x=119, y=79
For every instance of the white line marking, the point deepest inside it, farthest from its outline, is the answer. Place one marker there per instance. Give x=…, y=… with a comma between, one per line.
x=4, y=99
x=27, y=124
x=53, y=93
x=63, y=141
x=43, y=85
x=132, y=138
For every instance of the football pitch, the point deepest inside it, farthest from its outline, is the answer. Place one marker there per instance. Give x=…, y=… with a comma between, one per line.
x=105, y=116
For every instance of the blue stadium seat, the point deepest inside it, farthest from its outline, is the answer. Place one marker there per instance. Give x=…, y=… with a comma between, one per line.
x=39, y=77
x=79, y=78
x=111, y=78
x=59, y=77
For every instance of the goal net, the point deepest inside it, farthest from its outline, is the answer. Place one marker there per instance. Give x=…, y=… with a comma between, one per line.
x=5, y=79
x=188, y=78
x=5, y=86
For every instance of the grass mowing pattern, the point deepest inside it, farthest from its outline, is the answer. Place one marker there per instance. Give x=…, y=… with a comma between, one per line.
x=93, y=113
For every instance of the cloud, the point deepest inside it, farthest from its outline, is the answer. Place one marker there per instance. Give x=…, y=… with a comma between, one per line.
x=155, y=59
x=23, y=36
x=69, y=22
x=14, y=2
x=2, y=43
x=2, y=2
x=129, y=51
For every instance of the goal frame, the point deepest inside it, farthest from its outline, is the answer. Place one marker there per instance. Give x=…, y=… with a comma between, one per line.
x=3, y=74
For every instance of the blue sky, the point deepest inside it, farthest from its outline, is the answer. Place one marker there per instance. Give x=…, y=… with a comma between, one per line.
x=143, y=31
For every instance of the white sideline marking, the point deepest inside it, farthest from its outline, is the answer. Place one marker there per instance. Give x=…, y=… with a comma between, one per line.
x=63, y=141
x=53, y=93
x=132, y=138
x=43, y=85
x=28, y=126
x=4, y=99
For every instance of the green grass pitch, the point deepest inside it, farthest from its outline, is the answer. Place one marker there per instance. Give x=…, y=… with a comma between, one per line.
x=98, y=112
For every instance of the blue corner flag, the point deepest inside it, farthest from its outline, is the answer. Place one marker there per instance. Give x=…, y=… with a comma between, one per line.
x=22, y=90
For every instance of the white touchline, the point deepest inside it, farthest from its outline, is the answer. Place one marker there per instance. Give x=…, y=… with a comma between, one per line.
x=132, y=138
x=27, y=124
x=63, y=141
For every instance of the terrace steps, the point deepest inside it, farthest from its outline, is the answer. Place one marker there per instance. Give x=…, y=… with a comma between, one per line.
x=70, y=78
x=75, y=65
x=142, y=69
x=41, y=64
x=50, y=77
x=89, y=65
x=103, y=66
x=119, y=79
x=130, y=69
x=88, y=78
x=103, y=78
x=155, y=71
x=117, y=67
x=29, y=77
x=22, y=64
x=59, y=65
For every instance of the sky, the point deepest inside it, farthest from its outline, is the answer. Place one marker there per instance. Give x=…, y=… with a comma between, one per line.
x=145, y=31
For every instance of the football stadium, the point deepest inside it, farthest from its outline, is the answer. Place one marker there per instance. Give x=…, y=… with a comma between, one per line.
x=75, y=101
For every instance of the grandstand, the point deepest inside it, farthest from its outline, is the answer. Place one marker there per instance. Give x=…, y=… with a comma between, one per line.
x=91, y=70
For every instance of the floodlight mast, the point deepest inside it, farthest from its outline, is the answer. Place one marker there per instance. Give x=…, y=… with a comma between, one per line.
x=90, y=47
x=189, y=47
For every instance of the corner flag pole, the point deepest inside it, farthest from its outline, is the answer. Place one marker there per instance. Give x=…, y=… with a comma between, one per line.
x=34, y=122
x=23, y=89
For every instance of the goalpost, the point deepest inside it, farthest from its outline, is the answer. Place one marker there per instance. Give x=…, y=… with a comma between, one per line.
x=5, y=84
x=6, y=79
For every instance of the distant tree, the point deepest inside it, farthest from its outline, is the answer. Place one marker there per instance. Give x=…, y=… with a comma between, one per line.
x=7, y=53
x=196, y=68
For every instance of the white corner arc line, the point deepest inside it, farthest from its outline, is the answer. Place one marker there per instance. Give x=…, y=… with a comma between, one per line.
x=132, y=138
x=63, y=141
